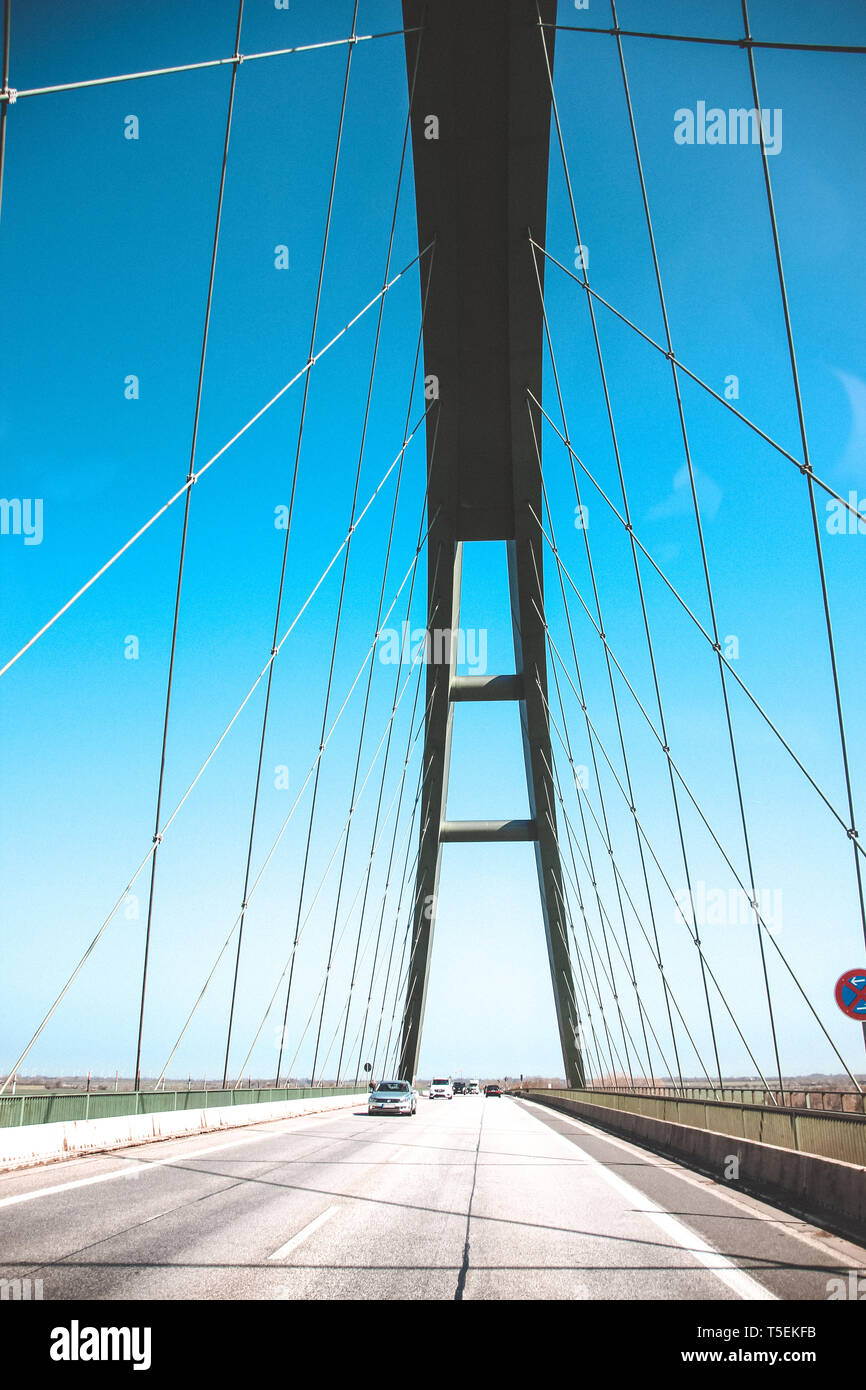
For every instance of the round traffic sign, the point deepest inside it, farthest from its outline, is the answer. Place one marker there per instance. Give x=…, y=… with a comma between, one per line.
x=851, y=994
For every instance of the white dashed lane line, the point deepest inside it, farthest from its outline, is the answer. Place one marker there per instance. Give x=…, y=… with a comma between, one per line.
x=303, y=1233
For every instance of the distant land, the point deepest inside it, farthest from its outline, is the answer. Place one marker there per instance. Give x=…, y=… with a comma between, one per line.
x=37, y=1084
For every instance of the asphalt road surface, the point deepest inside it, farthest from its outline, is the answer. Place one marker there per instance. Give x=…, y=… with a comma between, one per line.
x=472, y=1198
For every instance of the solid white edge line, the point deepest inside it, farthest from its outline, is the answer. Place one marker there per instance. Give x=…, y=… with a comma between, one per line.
x=742, y=1284
x=145, y=1165
x=302, y=1234
x=675, y=1167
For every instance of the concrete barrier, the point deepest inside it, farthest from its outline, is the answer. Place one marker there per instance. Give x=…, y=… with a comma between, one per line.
x=824, y=1191
x=827, y=1133
x=31, y=1144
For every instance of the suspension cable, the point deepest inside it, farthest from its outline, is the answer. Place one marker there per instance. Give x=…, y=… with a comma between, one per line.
x=702, y=816
x=687, y=453
x=349, y=914
x=606, y=841
x=361, y=1031
x=7, y=27
x=657, y=951
x=200, y=773
x=609, y=973
x=595, y=591
x=8, y=97
x=344, y=1013
x=378, y=628
x=373, y=365
x=801, y=421
x=408, y=873
x=375, y=831
x=582, y=796
x=628, y=526
x=609, y=409
x=699, y=381
x=212, y=460
x=580, y=961
x=592, y=871
x=182, y=555
x=313, y=903
x=268, y=857
x=389, y=726
x=628, y=961
x=291, y=508
x=697, y=514
x=747, y=43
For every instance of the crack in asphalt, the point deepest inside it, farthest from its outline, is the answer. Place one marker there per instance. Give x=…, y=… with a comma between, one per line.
x=464, y=1268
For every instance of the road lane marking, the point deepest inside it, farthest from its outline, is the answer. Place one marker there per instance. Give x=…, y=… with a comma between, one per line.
x=141, y=1165
x=742, y=1284
x=305, y=1231
x=309, y=1122
x=674, y=1167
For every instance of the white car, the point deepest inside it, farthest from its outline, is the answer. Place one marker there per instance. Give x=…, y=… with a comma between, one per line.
x=392, y=1098
x=441, y=1088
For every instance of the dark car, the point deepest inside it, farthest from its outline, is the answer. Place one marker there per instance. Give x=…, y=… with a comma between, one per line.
x=492, y=1090
x=459, y=1088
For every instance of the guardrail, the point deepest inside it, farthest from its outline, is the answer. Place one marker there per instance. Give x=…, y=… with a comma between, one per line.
x=826, y=1133
x=59, y=1106
x=795, y=1098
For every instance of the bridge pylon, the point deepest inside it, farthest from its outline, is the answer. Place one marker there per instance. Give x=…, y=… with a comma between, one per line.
x=480, y=134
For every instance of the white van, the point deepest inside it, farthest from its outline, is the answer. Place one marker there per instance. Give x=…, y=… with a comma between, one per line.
x=441, y=1088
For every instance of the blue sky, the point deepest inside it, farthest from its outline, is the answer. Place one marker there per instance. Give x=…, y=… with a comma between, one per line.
x=104, y=254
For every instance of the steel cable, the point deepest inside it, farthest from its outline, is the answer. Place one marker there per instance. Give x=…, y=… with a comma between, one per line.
x=183, y=540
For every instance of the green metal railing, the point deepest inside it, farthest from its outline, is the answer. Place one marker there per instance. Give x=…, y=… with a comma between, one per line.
x=56, y=1106
x=793, y=1098
x=828, y=1133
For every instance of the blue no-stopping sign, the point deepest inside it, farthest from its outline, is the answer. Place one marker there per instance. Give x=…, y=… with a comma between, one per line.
x=851, y=994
